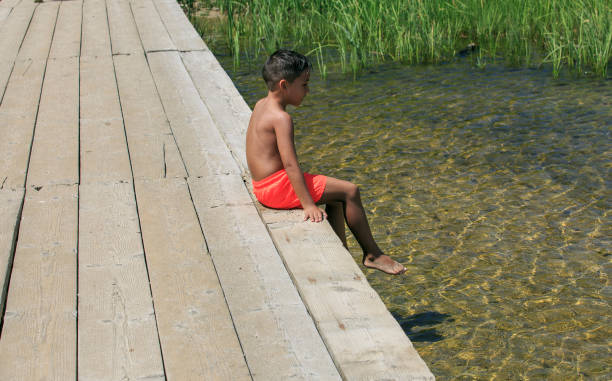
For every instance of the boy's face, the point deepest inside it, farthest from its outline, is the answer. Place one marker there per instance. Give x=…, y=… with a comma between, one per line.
x=297, y=90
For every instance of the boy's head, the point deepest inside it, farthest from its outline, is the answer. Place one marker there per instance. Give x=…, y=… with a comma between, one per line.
x=284, y=64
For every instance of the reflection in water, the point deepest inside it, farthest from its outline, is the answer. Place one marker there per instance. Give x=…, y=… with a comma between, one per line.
x=493, y=187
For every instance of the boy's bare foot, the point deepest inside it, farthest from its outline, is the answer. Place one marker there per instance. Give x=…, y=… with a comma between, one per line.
x=383, y=263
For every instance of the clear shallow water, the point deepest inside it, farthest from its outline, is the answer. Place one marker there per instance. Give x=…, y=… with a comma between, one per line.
x=493, y=187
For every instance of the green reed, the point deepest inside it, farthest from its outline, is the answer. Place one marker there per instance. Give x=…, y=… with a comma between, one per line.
x=574, y=34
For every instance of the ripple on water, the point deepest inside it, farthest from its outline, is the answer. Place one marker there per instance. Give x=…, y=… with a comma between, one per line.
x=494, y=186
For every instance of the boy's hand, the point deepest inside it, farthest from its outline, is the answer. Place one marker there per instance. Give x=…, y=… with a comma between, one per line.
x=314, y=214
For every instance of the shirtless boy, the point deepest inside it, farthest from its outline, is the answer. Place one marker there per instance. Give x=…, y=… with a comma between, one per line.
x=278, y=181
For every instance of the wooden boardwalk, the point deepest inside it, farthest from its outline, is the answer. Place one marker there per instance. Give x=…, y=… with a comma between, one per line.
x=130, y=245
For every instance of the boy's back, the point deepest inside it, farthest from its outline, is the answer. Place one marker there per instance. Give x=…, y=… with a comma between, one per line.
x=262, y=152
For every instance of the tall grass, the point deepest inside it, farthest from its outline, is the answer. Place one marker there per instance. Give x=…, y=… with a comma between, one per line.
x=576, y=34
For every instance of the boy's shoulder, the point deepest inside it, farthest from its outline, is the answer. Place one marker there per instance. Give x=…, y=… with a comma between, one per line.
x=270, y=114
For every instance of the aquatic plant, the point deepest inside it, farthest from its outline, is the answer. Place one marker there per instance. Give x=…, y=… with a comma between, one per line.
x=576, y=34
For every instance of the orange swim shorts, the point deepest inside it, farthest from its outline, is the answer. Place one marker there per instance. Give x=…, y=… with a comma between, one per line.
x=276, y=191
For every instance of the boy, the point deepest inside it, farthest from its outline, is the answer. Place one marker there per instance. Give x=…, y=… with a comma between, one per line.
x=278, y=181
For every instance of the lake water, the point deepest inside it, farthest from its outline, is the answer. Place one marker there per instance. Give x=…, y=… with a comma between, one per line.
x=493, y=187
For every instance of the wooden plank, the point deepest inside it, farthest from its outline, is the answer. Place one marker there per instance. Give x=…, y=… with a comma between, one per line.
x=153, y=151
x=104, y=154
x=124, y=35
x=95, y=35
x=152, y=31
x=195, y=328
x=37, y=42
x=363, y=337
x=227, y=107
x=55, y=149
x=11, y=202
x=182, y=33
x=67, y=38
x=39, y=333
x=279, y=338
x=117, y=336
x=199, y=141
x=17, y=118
x=13, y=30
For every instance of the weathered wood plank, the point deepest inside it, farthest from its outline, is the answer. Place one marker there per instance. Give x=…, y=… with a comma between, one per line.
x=37, y=42
x=104, y=154
x=202, y=148
x=95, y=39
x=13, y=31
x=117, y=335
x=124, y=35
x=17, y=118
x=278, y=336
x=55, y=149
x=153, y=151
x=67, y=38
x=182, y=33
x=39, y=333
x=152, y=31
x=11, y=202
x=195, y=328
x=364, y=339
x=227, y=107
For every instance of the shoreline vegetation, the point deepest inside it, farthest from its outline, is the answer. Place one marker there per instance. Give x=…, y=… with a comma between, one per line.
x=350, y=35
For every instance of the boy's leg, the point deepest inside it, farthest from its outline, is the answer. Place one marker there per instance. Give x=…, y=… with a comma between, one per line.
x=335, y=216
x=348, y=194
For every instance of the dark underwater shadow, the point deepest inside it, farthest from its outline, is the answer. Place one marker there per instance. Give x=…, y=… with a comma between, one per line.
x=423, y=319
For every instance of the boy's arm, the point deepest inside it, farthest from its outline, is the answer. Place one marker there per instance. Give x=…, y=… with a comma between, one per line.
x=286, y=147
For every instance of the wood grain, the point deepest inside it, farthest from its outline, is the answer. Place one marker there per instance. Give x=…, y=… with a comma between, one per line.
x=202, y=147
x=104, y=154
x=182, y=33
x=55, y=149
x=39, y=333
x=117, y=333
x=13, y=31
x=11, y=202
x=95, y=35
x=37, y=42
x=17, y=119
x=227, y=107
x=195, y=327
x=153, y=151
x=124, y=35
x=152, y=31
x=67, y=36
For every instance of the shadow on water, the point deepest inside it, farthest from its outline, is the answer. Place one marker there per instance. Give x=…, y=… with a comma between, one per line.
x=424, y=319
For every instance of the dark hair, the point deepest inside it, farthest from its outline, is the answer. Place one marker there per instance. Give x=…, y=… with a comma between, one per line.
x=284, y=64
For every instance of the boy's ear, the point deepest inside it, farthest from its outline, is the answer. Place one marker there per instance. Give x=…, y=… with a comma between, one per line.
x=282, y=84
